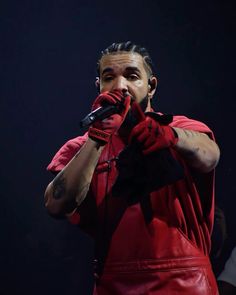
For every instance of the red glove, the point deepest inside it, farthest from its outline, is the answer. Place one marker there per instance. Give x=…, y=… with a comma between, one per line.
x=102, y=130
x=152, y=135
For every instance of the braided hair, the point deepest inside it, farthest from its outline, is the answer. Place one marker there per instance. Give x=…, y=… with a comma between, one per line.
x=128, y=47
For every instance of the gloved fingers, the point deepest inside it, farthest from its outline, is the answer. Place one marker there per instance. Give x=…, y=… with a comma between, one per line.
x=107, y=98
x=153, y=126
x=118, y=95
x=115, y=97
x=137, y=131
x=142, y=137
x=152, y=148
x=111, y=123
x=145, y=129
x=126, y=106
x=165, y=139
x=137, y=112
x=103, y=99
x=149, y=141
x=149, y=144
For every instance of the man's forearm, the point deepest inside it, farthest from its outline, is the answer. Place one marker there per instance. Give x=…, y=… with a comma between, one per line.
x=70, y=186
x=198, y=149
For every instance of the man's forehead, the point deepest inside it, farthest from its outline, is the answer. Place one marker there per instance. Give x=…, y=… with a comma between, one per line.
x=121, y=61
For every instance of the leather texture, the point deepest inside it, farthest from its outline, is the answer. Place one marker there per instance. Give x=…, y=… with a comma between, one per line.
x=158, y=245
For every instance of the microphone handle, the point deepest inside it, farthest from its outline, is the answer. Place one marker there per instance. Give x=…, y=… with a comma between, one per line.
x=99, y=114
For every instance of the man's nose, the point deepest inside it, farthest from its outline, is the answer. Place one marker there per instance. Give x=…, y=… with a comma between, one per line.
x=120, y=84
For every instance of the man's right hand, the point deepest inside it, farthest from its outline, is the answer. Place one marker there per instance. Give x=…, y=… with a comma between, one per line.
x=102, y=130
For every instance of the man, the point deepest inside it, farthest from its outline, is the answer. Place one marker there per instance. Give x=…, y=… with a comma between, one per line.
x=141, y=184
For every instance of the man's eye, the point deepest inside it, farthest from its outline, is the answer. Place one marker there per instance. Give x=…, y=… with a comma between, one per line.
x=107, y=78
x=132, y=77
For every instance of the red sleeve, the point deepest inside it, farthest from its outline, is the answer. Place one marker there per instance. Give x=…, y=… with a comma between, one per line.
x=62, y=158
x=66, y=153
x=204, y=182
x=190, y=124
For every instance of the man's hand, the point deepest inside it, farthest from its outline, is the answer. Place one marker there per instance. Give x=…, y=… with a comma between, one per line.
x=102, y=130
x=152, y=135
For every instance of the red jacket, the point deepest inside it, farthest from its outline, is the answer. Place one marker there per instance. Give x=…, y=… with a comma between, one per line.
x=158, y=245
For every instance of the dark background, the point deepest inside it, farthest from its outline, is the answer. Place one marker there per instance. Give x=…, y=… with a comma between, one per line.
x=49, y=51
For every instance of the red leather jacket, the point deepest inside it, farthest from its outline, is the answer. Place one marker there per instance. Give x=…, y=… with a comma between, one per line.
x=156, y=246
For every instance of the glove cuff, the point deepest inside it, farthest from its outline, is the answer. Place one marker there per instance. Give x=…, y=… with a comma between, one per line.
x=98, y=135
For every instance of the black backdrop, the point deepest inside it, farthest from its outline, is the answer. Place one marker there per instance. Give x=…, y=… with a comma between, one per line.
x=49, y=51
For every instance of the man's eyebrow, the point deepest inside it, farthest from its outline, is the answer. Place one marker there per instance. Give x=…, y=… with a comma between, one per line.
x=129, y=69
x=107, y=70
x=133, y=69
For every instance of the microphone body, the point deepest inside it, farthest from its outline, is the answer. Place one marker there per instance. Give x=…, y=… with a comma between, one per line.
x=100, y=114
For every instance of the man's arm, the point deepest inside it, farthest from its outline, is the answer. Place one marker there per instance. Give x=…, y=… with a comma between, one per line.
x=70, y=186
x=198, y=149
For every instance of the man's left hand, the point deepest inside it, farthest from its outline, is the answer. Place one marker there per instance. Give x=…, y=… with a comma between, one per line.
x=152, y=136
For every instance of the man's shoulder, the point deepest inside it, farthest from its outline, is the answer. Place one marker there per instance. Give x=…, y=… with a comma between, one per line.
x=66, y=153
x=184, y=122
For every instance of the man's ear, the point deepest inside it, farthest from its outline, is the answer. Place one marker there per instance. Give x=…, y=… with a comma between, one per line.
x=97, y=84
x=152, y=86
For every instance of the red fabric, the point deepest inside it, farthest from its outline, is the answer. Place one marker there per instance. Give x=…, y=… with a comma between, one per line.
x=164, y=254
x=66, y=153
x=101, y=130
x=99, y=135
x=110, y=98
x=152, y=136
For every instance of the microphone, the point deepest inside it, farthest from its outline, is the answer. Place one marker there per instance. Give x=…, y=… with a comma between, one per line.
x=100, y=114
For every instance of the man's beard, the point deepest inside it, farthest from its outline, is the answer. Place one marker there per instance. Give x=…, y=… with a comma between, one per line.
x=130, y=120
x=144, y=103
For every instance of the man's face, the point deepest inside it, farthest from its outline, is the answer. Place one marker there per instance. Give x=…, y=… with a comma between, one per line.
x=126, y=72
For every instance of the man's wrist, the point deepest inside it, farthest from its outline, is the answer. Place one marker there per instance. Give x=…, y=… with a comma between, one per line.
x=98, y=135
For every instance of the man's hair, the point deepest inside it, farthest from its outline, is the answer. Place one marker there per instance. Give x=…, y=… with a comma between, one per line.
x=128, y=47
